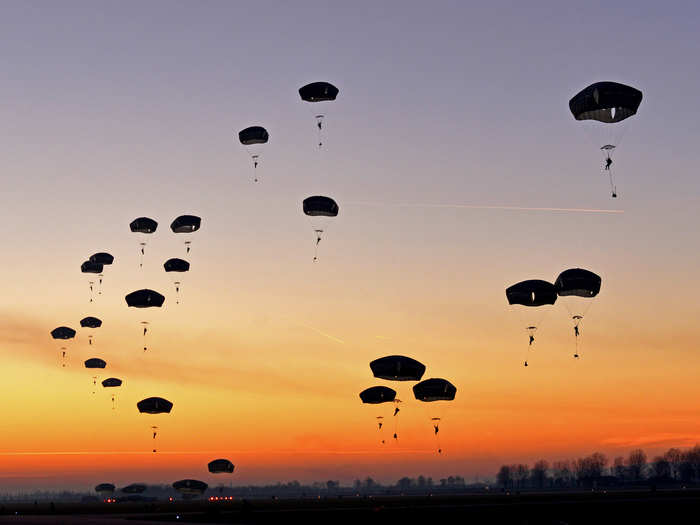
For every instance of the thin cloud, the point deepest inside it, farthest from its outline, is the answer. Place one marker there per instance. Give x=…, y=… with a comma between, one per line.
x=486, y=207
x=662, y=439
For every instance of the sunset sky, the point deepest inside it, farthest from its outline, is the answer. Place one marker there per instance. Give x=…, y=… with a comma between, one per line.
x=447, y=112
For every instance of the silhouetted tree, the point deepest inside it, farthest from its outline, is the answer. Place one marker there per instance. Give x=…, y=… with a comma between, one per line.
x=404, y=483
x=521, y=472
x=563, y=475
x=674, y=457
x=619, y=469
x=661, y=468
x=538, y=474
x=590, y=468
x=636, y=462
x=505, y=476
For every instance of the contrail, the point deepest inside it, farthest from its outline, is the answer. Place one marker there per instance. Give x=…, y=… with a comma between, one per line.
x=324, y=334
x=379, y=450
x=485, y=207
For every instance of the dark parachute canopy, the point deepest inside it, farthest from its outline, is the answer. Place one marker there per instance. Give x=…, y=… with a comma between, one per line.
x=534, y=292
x=134, y=488
x=95, y=362
x=186, y=224
x=220, y=466
x=190, y=487
x=154, y=405
x=397, y=368
x=111, y=382
x=578, y=282
x=102, y=258
x=63, y=332
x=378, y=394
x=318, y=92
x=144, y=299
x=143, y=225
x=105, y=487
x=176, y=265
x=434, y=389
x=253, y=135
x=90, y=322
x=319, y=206
x=606, y=102
x=91, y=267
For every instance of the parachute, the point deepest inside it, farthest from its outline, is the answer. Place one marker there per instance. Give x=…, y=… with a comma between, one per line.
x=377, y=395
x=95, y=362
x=531, y=294
x=154, y=405
x=145, y=299
x=90, y=322
x=190, y=488
x=320, y=209
x=186, y=224
x=105, y=488
x=253, y=138
x=89, y=267
x=144, y=226
x=176, y=266
x=134, y=488
x=112, y=382
x=397, y=368
x=576, y=288
x=220, y=466
x=434, y=389
x=605, y=105
x=431, y=391
x=63, y=332
x=104, y=259
x=319, y=92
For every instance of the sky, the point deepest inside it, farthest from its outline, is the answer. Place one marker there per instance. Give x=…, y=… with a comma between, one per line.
x=449, y=115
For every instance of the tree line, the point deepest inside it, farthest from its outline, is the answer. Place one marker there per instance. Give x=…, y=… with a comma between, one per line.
x=674, y=466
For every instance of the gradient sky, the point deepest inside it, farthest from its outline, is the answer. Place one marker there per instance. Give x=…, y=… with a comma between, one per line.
x=116, y=110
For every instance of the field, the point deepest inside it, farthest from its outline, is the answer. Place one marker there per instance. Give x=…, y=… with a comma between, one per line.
x=563, y=508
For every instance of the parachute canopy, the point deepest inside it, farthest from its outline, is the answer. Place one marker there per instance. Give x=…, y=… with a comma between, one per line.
x=145, y=298
x=102, y=258
x=320, y=206
x=220, y=466
x=318, y=92
x=253, y=135
x=434, y=389
x=90, y=322
x=105, y=487
x=534, y=292
x=154, y=405
x=578, y=282
x=134, y=488
x=111, y=382
x=378, y=394
x=95, y=362
x=91, y=267
x=186, y=224
x=397, y=368
x=606, y=102
x=191, y=487
x=143, y=225
x=176, y=265
x=63, y=332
